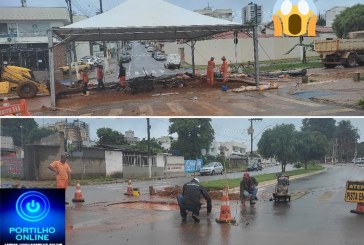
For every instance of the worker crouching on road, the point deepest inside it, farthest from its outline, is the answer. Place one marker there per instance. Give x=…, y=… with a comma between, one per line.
x=210, y=71
x=63, y=172
x=248, y=188
x=190, y=199
x=224, y=69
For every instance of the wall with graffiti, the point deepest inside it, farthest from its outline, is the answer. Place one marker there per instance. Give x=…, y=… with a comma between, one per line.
x=12, y=167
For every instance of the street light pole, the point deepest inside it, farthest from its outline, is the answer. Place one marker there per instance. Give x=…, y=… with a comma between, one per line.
x=149, y=163
x=21, y=139
x=251, y=132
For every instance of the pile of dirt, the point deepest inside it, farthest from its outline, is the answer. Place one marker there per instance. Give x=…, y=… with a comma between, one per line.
x=170, y=191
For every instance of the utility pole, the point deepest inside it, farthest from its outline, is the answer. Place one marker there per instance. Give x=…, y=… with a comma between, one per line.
x=103, y=43
x=251, y=132
x=149, y=163
x=255, y=39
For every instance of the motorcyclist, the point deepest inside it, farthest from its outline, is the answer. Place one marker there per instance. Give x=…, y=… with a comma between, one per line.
x=189, y=200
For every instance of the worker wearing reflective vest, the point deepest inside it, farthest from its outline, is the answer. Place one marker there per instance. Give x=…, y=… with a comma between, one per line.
x=210, y=71
x=224, y=69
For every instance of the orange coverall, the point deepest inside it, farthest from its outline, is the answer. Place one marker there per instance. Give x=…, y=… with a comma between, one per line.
x=224, y=70
x=210, y=72
x=63, y=171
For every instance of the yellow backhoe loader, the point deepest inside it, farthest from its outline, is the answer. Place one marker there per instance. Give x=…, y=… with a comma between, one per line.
x=20, y=80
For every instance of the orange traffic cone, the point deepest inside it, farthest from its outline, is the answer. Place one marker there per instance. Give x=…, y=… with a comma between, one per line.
x=78, y=194
x=225, y=213
x=129, y=191
x=359, y=208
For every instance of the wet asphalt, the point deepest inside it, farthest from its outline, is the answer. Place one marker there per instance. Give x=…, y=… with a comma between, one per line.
x=317, y=214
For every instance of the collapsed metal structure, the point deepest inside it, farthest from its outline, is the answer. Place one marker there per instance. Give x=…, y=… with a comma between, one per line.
x=151, y=20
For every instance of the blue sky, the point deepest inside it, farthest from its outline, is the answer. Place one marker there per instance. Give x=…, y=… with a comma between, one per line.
x=89, y=7
x=226, y=129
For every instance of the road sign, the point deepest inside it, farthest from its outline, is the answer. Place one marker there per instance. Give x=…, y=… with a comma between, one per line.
x=354, y=191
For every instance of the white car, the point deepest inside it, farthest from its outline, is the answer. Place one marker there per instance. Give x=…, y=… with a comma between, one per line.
x=173, y=61
x=150, y=49
x=212, y=168
x=90, y=61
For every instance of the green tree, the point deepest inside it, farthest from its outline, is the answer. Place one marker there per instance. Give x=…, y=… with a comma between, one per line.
x=278, y=142
x=107, y=136
x=16, y=127
x=326, y=126
x=155, y=146
x=349, y=20
x=310, y=145
x=321, y=20
x=194, y=134
x=360, y=149
x=346, y=139
x=39, y=133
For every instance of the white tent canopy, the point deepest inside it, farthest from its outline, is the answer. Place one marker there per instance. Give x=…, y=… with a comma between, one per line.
x=146, y=20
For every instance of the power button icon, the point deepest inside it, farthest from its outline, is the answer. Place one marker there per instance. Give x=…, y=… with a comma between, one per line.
x=32, y=206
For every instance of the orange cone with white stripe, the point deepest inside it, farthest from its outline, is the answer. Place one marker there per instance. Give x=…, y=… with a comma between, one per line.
x=129, y=190
x=359, y=208
x=78, y=194
x=225, y=213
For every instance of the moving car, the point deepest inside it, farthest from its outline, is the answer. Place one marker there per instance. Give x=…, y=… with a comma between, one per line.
x=125, y=57
x=173, y=61
x=212, y=168
x=74, y=66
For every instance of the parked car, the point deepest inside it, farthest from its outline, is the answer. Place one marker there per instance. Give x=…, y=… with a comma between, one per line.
x=80, y=65
x=173, y=61
x=90, y=61
x=150, y=49
x=255, y=164
x=160, y=57
x=125, y=57
x=212, y=168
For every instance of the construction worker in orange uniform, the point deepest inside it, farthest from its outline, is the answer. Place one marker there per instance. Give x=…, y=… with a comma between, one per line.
x=63, y=172
x=210, y=71
x=224, y=69
x=85, y=81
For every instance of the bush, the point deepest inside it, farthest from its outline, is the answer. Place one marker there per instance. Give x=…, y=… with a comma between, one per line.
x=297, y=165
x=361, y=102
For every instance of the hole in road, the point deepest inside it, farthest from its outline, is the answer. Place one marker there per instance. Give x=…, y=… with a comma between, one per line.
x=161, y=206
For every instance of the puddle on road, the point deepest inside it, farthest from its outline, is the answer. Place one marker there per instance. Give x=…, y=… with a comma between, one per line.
x=311, y=94
x=160, y=206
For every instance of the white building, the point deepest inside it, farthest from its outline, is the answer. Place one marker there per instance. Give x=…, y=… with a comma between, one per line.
x=248, y=13
x=165, y=141
x=230, y=148
x=130, y=138
x=331, y=14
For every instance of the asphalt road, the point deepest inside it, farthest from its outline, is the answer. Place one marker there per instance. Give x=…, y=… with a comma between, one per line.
x=317, y=214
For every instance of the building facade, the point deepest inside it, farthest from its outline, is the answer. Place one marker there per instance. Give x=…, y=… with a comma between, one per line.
x=229, y=149
x=248, y=13
x=331, y=14
x=76, y=131
x=130, y=138
x=24, y=37
x=165, y=141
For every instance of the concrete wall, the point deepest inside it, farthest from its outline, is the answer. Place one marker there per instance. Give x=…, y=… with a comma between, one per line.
x=138, y=172
x=270, y=49
x=11, y=167
x=114, y=162
x=170, y=163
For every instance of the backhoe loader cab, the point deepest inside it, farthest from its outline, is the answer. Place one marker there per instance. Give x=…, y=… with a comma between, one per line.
x=20, y=80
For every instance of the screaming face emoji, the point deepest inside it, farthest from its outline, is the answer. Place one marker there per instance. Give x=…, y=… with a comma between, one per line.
x=294, y=18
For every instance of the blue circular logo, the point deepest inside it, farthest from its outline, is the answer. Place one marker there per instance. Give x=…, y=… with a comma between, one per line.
x=32, y=206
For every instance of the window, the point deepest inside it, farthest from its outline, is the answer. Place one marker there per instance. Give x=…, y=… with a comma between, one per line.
x=8, y=29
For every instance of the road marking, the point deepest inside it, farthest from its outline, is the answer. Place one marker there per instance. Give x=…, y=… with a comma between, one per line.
x=177, y=109
x=268, y=95
x=248, y=107
x=145, y=110
x=329, y=112
x=212, y=109
x=116, y=112
x=137, y=73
